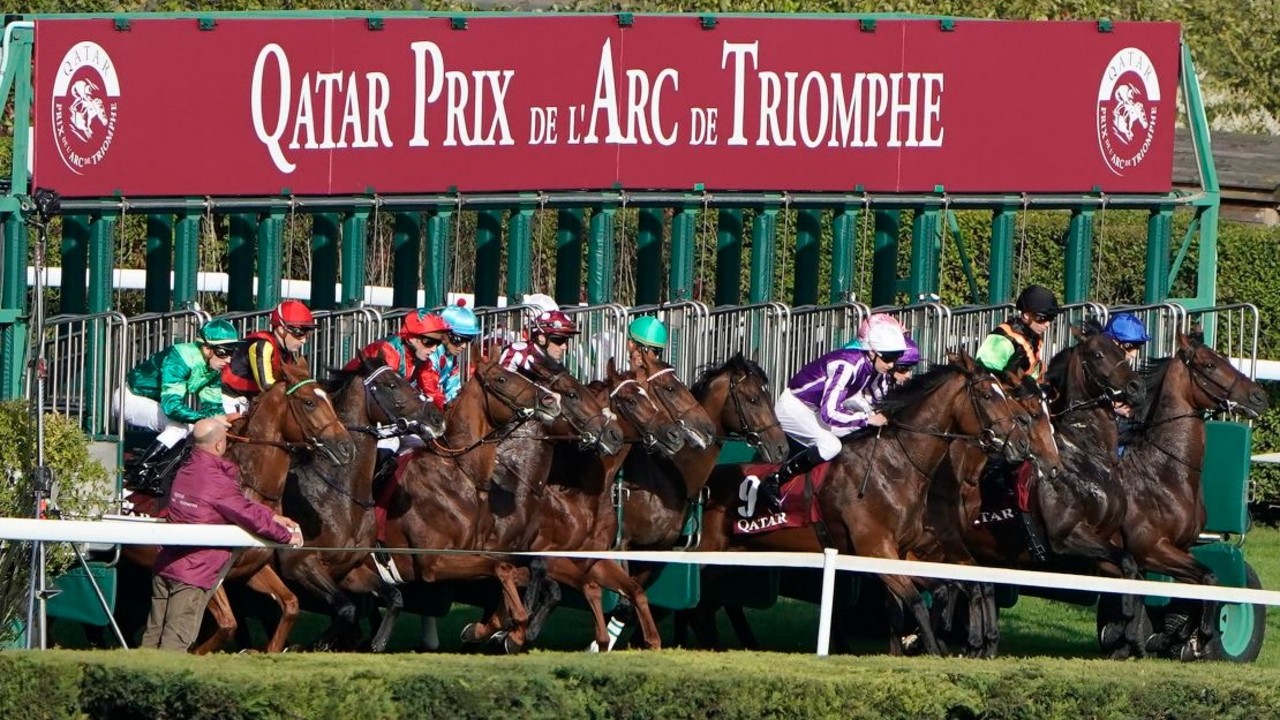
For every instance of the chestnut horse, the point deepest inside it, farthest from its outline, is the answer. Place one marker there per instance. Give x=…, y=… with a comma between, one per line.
x=873, y=500
x=439, y=500
x=294, y=415
x=1161, y=472
x=334, y=503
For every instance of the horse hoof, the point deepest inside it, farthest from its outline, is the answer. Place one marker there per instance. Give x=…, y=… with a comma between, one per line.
x=471, y=634
x=1109, y=636
x=501, y=643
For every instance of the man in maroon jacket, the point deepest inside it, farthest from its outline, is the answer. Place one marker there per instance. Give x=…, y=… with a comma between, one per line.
x=206, y=490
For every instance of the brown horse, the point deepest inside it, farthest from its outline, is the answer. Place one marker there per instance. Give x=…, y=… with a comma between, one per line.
x=440, y=497
x=1078, y=503
x=1161, y=472
x=575, y=509
x=334, y=503
x=873, y=500
x=293, y=415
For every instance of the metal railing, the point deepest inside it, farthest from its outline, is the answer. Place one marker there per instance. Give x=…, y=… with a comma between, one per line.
x=812, y=331
x=684, y=320
x=87, y=356
x=969, y=325
x=603, y=336
x=929, y=325
x=1231, y=330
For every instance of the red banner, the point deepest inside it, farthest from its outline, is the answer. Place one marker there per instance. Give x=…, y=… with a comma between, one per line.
x=320, y=106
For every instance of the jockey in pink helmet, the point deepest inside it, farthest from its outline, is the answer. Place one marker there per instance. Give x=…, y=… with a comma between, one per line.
x=831, y=397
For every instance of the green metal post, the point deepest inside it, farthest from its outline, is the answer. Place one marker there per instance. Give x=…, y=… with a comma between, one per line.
x=844, y=250
x=569, y=256
x=75, y=264
x=519, y=253
x=186, y=260
x=406, y=246
x=435, y=269
x=355, y=229
x=600, y=257
x=271, y=258
x=13, y=298
x=684, y=224
x=729, y=232
x=1207, y=272
x=242, y=241
x=488, y=257
x=324, y=261
x=159, y=291
x=764, y=248
x=884, y=280
x=808, y=251
x=1079, y=261
x=18, y=64
x=1000, y=267
x=101, y=255
x=926, y=246
x=650, y=223
x=1159, y=239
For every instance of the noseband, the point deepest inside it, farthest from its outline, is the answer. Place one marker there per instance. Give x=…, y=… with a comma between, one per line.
x=1203, y=381
x=753, y=436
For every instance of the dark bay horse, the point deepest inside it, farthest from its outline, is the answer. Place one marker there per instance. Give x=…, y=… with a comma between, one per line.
x=873, y=500
x=334, y=503
x=1079, y=504
x=440, y=497
x=295, y=415
x=1161, y=472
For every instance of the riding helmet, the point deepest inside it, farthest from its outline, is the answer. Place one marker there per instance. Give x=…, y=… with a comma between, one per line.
x=648, y=330
x=219, y=332
x=422, y=322
x=1126, y=328
x=911, y=356
x=1038, y=299
x=886, y=338
x=292, y=314
x=461, y=320
x=553, y=322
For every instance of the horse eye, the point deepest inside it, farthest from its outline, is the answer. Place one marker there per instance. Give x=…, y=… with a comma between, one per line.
x=310, y=403
x=1097, y=354
x=572, y=395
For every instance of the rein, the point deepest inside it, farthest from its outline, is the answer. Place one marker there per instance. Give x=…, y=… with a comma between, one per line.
x=498, y=432
x=753, y=436
x=336, y=486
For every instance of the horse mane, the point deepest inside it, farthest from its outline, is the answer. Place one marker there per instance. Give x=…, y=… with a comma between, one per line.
x=1153, y=373
x=338, y=377
x=737, y=363
x=916, y=390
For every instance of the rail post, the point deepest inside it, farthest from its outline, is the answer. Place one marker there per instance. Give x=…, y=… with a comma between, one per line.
x=828, y=600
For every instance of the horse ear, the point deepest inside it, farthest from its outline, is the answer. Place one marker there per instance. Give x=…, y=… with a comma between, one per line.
x=962, y=360
x=1077, y=333
x=611, y=368
x=1185, y=342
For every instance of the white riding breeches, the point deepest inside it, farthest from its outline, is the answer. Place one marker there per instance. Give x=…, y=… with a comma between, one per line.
x=146, y=413
x=802, y=423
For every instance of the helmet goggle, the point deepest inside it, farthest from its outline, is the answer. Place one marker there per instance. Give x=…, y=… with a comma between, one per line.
x=298, y=331
x=222, y=351
x=457, y=339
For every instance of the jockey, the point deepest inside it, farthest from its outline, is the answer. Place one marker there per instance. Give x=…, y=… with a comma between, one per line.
x=409, y=351
x=1016, y=343
x=549, y=335
x=463, y=330
x=646, y=335
x=155, y=393
x=1130, y=334
x=258, y=365
x=901, y=371
x=829, y=399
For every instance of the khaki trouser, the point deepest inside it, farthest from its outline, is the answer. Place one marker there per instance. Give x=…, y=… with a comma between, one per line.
x=176, y=611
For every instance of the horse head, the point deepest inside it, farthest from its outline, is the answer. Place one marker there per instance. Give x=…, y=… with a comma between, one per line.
x=392, y=400
x=1097, y=368
x=1044, y=446
x=310, y=417
x=1216, y=384
x=516, y=396
x=651, y=421
x=660, y=380
x=1001, y=423
x=590, y=418
x=738, y=389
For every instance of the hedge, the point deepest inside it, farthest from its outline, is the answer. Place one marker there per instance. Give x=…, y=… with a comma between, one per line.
x=669, y=684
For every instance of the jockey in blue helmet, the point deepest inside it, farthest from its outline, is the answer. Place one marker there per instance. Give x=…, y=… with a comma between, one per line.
x=1130, y=334
x=463, y=329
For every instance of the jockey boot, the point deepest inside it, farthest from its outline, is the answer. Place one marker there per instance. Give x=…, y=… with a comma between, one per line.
x=144, y=473
x=1034, y=541
x=384, y=469
x=770, y=493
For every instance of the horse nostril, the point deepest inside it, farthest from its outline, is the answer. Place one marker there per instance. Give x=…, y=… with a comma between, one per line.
x=1135, y=390
x=1258, y=398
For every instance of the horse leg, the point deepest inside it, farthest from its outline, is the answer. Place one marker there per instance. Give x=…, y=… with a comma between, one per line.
x=741, y=628
x=267, y=582
x=908, y=600
x=612, y=575
x=990, y=621
x=342, y=611
x=367, y=582
x=549, y=599
x=1179, y=633
x=220, y=608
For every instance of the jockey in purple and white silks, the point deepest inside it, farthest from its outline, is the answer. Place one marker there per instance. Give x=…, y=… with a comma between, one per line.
x=831, y=397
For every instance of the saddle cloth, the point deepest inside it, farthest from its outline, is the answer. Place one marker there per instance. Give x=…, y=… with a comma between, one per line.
x=1004, y=490
x=384, y=492
x=798, y=511
x=144, y=504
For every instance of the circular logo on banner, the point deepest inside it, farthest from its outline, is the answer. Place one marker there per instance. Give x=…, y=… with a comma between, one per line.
x=86, y=95
x=1128, y=100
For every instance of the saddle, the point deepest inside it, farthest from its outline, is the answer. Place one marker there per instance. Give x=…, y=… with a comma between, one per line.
x=799, y=501
x=1005, y=488
x=154, y=476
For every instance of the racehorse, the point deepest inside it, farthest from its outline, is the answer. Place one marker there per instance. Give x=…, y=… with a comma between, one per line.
x=439, y=497
x=334, y=503
x=1161, y=472
x=1080, y=508
x=293, y=415
x=873, y=500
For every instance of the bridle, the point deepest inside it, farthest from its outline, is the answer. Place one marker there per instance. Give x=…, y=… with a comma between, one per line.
x=678, y=417
x=1091, y=375
x=586, y=437
x=1203, y=381
x=753, y=436
x=520, y=415
x=649, y=438
x=396, y=424
x=312, y=442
